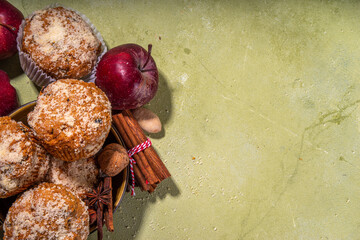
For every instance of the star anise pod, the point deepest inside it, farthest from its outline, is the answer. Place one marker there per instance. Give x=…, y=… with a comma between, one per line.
x=100, y=195
x=98, y=199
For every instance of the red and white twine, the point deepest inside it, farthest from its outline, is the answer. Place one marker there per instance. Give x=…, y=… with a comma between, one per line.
x=131, y=152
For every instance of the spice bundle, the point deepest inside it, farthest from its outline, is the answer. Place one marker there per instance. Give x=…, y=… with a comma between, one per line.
x=149, y=170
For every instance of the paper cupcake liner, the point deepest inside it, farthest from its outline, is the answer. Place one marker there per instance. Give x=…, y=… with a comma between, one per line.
x=67, y=155
x=71, y=155
x=35, y=73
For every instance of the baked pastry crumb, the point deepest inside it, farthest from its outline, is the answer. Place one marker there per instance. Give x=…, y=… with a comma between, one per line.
x=80, y=176
x=61, y=43
x=22, y=161
x=72, y=119
x=48, y=211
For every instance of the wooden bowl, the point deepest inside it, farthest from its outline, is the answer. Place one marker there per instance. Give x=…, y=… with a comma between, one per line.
x=119, y=182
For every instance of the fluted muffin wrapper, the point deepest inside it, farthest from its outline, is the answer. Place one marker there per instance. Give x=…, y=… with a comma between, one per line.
x=34, y=72
x=71, y=155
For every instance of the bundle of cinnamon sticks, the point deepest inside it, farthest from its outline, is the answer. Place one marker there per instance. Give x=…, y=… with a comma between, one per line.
x=149, y=170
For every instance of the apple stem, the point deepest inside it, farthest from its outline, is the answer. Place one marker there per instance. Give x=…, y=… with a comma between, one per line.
x=148, y=57
x=8, y=26
x=148, y=70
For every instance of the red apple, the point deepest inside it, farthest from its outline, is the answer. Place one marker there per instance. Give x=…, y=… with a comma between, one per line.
x=10, y=20
x=128, y=75
x=8, y=96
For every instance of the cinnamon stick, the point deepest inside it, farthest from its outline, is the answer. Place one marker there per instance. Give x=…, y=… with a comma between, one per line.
x=140, y=179
x=143, y=163
x=152, y=188
x=149, y=169
x=129, y=145
x=108, y=213
x=154, y=160
x=138, y=175
x=99, y=221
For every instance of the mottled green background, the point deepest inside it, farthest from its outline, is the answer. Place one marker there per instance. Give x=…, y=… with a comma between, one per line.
x=260, y=106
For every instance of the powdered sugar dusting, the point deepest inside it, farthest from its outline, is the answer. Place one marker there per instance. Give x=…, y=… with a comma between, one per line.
x=11, y=148
x=72, y=114
x=48, y=211
x=58, y=37
x=22, y=162
x=80, y=176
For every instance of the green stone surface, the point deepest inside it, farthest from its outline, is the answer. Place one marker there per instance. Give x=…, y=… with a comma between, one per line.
x=259, y=102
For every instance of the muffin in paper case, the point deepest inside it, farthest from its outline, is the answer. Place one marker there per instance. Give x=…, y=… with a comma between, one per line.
x=35, y=72
x=71, y=119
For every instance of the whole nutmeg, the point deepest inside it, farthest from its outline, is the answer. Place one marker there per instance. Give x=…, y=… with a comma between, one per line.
x=113, y=159
x=147, y=120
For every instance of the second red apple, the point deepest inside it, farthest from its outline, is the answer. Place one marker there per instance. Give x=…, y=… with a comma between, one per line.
x=10, y=20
